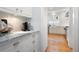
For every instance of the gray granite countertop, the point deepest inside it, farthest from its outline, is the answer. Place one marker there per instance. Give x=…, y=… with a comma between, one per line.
x=12, y=35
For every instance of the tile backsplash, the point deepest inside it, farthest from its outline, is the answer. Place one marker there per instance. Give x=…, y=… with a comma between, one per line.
x=14, y=21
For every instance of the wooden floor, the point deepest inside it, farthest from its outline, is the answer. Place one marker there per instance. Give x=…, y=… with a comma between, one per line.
x=61, y=46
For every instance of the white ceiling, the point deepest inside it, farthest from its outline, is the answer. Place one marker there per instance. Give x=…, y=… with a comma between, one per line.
x=56, y=8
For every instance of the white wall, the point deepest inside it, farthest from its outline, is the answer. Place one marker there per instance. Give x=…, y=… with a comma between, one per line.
x=36, y=18
x=36, y=22
x=63, y=21
x=73, y=29
x=44, y=27
x=78, y=30
x=58, y=24
x=39, y=21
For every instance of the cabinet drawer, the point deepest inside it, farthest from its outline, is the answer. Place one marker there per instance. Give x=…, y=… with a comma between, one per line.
x=8, y=46
x=9, y=49
x=4, y=45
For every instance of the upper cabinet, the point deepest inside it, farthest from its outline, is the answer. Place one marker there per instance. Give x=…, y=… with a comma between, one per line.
x=18, y=11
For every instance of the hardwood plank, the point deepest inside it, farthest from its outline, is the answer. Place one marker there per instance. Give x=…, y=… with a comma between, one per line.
x=61, y=46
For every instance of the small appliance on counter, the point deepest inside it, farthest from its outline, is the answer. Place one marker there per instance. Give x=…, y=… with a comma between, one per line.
x=5, y=21
x=27, y=26
x=3, y=33
x=6, y=28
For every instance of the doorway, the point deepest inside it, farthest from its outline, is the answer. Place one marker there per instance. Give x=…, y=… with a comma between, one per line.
x=58, y=28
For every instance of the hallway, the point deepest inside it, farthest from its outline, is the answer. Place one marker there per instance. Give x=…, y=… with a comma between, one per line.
x=57, y=43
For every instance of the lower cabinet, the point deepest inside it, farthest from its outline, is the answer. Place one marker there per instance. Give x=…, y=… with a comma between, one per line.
x=7, y=47
x=25, y=43
x=37, y=42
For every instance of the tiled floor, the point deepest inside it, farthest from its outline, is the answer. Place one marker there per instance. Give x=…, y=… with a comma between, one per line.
x=57, y=43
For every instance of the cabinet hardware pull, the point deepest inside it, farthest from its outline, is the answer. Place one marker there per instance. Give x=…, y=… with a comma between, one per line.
x=16, y=43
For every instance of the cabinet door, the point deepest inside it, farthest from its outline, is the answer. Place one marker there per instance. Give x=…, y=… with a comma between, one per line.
x=20, y=11
x=25, y=11
x=7, y=47
x=37, y=42
x=25, y=44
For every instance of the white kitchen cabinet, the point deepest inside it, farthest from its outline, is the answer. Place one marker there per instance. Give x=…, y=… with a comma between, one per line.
x=57, y=30
x=25, y=11
x=19, y=44
x=6, y=47
x=29, y=43
x=18, y=11
x=25, y=43
x=9, y=49
x=36, y=42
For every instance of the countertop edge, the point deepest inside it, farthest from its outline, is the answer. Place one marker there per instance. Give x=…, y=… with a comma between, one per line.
x=15, y=35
